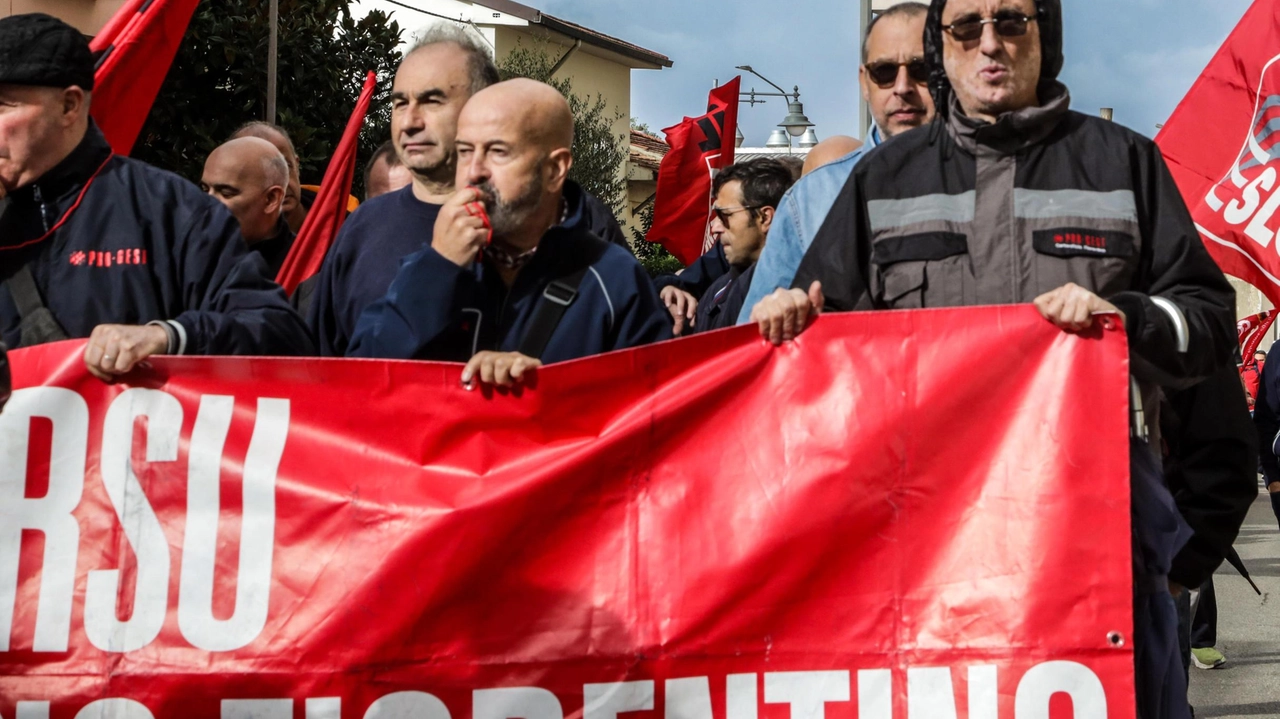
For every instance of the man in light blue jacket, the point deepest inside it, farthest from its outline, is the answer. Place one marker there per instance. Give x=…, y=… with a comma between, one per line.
x=894, y=81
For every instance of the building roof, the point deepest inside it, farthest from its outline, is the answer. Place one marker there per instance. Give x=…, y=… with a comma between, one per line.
x=578, y=32
x=647, y=151
x=742, y=154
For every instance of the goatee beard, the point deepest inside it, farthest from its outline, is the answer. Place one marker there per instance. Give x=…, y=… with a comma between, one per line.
x=508, y=217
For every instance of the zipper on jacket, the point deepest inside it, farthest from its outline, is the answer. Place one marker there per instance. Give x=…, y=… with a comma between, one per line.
x=44, y=211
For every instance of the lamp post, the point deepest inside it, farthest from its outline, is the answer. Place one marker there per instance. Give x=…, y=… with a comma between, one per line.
x=273, y=33
x=796, y=124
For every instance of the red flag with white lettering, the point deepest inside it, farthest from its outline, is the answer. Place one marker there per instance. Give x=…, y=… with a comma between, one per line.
x=699, y=147
x=136, y=48
x=1222, y=144
x=868, y=519
x=329, y=211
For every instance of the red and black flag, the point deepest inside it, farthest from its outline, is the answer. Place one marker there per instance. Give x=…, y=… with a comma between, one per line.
x=700, y=146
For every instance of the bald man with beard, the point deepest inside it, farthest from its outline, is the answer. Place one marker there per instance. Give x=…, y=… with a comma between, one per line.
x=513, y=279
x=251, y=177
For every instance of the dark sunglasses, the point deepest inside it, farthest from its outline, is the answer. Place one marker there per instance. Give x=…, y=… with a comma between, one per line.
x=1007, y=24
x=885, y=72
x=724, y=213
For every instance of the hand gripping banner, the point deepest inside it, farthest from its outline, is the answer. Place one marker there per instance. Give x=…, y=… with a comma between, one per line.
x=900, y=515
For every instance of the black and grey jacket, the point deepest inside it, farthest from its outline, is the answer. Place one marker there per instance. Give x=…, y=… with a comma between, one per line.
x=963, y=212
x=1210, y=463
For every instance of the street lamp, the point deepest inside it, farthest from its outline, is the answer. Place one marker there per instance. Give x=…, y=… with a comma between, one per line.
x=795, y=123
x=778, y=140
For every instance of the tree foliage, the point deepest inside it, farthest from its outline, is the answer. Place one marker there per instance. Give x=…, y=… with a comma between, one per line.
x=654, y=257
x=598, y=154
x=218, y=82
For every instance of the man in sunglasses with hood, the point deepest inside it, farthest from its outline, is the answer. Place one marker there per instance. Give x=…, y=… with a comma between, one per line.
x=1009, y=197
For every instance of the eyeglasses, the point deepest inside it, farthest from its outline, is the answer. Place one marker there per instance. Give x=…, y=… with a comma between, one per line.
x=885, y=72
x=724, y=213
x=1007, y=24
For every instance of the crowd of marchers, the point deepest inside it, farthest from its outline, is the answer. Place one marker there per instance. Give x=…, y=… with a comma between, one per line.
x=978, y=185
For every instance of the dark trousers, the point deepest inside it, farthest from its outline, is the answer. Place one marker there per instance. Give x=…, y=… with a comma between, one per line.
x=1204, y=625
x=1158, y=533
x=1184, y=633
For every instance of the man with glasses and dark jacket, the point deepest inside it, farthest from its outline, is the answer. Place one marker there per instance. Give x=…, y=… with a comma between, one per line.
x=746, y=198
x=1009, y=197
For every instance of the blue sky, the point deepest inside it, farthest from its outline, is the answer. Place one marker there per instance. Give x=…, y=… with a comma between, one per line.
x=1136, y=56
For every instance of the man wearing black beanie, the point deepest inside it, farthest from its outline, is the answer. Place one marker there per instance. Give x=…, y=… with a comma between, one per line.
x=1010, y=197
x=96, y=245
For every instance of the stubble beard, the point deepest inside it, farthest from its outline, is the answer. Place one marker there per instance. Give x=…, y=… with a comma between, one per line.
x=508, y=217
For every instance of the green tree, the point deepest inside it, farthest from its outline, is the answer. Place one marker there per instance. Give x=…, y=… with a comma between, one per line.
x=218, y=82
x=654, y=257
x=598, y=154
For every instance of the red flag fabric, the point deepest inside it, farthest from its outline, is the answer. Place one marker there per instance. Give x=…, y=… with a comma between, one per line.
x=137, y=47
x=868, y=519
x=1222, y=144
x=330, y=209
x=699, y=147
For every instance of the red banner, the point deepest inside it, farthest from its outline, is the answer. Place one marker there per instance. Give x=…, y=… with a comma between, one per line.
x=700, y=146
x=919, y=514
x=1223, y=147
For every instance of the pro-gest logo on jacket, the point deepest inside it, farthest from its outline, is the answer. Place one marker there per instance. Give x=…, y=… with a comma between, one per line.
x=108, y=258
x=1245, y=201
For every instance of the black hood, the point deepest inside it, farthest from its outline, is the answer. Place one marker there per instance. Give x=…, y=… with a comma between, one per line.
x=1048, y=17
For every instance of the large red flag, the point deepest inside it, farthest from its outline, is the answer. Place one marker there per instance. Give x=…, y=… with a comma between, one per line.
x=1223, y=147
x=699, y=147
x=328, y=212
x=136, y=48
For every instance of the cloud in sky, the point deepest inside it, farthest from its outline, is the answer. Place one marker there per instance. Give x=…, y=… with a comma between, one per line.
x=1137, y=56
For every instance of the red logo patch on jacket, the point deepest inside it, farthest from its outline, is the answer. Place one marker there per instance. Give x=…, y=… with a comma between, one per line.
x=1077, y=241
x=108, y=258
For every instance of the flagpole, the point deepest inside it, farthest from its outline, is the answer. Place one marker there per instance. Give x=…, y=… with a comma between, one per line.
x=273, y=24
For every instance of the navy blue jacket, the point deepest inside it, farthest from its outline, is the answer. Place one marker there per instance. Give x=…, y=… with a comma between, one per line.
x=697, y=278
x=142, y=245
x=377, y=236
x=437, y=310
x=720, y=304
x=1266, y=416
x=363, y=261
x=276, y=250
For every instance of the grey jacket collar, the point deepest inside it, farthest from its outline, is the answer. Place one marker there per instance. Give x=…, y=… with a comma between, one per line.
x=1012, y=131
